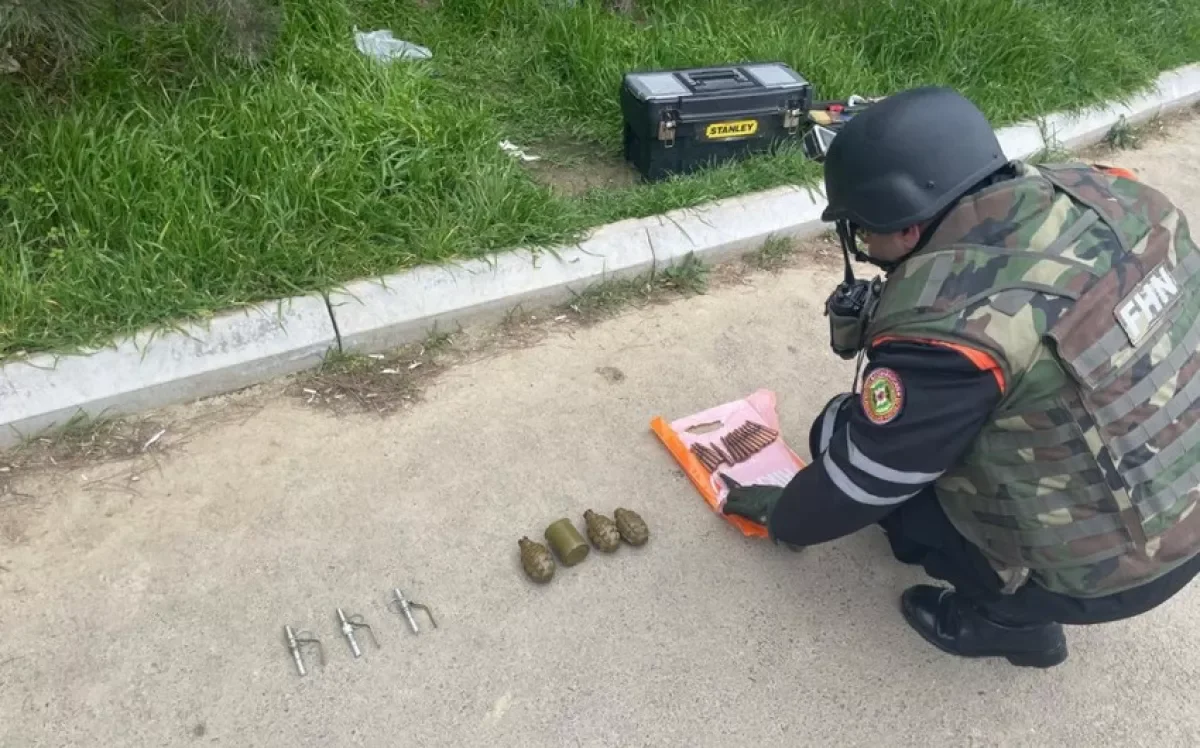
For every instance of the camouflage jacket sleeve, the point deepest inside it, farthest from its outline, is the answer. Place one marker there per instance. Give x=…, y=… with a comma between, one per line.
x=920, y=406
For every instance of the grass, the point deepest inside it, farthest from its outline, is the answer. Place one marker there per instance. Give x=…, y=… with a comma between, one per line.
x=83, y=441
x=774, y=255
x=1123, y=136
x=160, y=180
x=378, y=384
x=687, y=277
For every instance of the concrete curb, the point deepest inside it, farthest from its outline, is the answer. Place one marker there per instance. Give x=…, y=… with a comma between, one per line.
x=375, y=315
x=234, y=350
x=282, y=337
x=1176, y=89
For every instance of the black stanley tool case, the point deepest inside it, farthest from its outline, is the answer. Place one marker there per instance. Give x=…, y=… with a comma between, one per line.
x=677, y=121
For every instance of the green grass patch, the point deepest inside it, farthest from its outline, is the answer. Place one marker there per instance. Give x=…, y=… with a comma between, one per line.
x=774, y=255
x=161, y=180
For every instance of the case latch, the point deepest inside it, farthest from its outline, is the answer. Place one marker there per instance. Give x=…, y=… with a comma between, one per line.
x=666, y=129
x=791, y=119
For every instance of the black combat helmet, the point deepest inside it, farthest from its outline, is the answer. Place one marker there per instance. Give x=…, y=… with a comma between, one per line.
x=906, y=158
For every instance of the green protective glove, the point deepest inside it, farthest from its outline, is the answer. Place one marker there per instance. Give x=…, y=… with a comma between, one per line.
x=755, y=503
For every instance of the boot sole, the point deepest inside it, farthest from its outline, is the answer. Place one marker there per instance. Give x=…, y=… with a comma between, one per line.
x=1047, y=659
x=1043, y=660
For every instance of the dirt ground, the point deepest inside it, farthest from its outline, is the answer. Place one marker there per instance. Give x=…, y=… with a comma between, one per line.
x=143, y=599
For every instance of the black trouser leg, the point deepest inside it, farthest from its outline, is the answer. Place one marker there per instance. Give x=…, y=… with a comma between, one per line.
x=920, y=533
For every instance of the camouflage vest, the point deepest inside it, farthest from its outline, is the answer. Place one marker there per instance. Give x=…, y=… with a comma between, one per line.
x=1084, y=289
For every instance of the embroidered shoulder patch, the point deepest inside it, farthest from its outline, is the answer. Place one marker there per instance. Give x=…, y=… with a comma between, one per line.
x=882, y=395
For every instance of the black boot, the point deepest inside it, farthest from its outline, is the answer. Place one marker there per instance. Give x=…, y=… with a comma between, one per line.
x=953, y=625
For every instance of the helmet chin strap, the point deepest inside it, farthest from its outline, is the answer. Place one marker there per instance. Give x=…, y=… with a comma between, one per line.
x=849, y=247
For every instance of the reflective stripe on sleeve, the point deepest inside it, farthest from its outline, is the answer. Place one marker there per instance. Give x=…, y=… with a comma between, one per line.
x=829, y=421
x=883, y=472
x=854, y=491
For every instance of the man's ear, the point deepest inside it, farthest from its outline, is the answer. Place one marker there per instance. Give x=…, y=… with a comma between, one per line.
x=911, y=235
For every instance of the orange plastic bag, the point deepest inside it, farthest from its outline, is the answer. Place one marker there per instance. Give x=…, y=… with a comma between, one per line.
x=774, y=465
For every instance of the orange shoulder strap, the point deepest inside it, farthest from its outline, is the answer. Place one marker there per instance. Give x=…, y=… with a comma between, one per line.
x=983, y=360
x=1117, y=171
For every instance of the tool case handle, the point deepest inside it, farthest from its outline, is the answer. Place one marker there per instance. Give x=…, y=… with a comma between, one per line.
x=716, y=79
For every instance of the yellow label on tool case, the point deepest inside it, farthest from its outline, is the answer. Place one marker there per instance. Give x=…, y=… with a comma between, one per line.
x=740, y=129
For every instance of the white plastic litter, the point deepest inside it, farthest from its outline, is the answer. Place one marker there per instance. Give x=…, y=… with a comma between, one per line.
x=515, y=150
x=382, y=46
